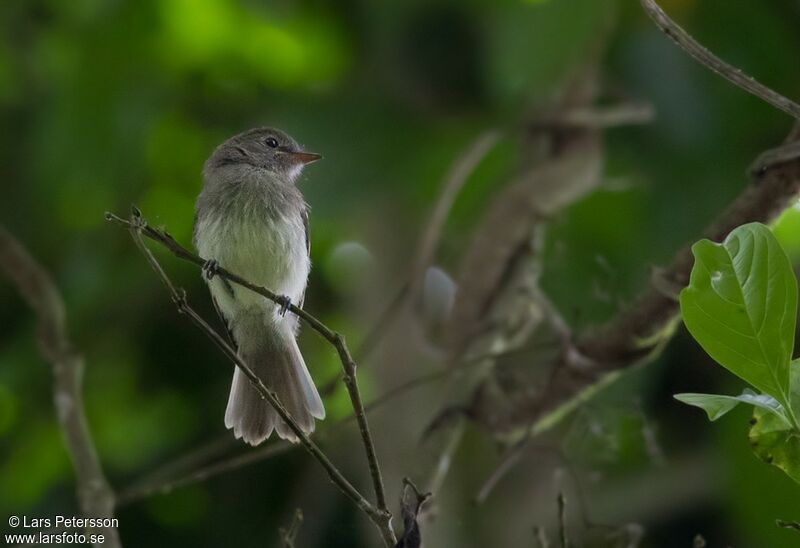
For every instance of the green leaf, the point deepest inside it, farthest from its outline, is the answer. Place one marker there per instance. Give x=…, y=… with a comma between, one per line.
x=717, y=405
x=794, y=388
x=775, y=443
x=741, y=304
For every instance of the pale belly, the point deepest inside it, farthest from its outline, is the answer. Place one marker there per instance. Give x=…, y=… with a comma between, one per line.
x=268, y=253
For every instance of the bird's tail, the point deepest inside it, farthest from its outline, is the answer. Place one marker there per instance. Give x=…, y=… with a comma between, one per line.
x=272, y=353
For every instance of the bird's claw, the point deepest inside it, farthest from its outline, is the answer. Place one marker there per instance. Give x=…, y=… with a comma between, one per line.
x=284, y=303
x=210, y=269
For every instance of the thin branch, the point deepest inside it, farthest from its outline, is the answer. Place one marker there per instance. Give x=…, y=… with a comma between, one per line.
x=95, y=495
x=150, y=487
x=164, y=474
x=410, y=510
x=289, y=535
x=714, y=63
x=593, y=117
x=562, y=521
x=541, y=537
x=508, y=462
x=138, y=227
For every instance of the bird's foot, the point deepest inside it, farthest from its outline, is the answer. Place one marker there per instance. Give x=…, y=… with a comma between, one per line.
x=284, y=303
x=210, y=269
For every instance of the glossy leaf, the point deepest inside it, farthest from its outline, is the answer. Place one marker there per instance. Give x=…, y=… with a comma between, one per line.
x=717, y=405
x=740, y=305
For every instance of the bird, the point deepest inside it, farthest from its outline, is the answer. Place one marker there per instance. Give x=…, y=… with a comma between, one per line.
x=252, y=220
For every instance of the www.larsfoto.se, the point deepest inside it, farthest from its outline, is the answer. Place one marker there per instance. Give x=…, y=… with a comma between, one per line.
x=64, y=537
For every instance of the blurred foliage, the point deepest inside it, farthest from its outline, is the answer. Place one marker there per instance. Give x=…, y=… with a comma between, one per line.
x=110, y=102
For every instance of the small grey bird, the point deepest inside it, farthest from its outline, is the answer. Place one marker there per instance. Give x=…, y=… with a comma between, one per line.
x=252, y=220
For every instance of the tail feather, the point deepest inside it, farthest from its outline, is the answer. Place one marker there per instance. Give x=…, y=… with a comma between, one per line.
x=277, y=361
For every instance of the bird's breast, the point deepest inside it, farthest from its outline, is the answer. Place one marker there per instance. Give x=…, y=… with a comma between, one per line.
x=268, y=250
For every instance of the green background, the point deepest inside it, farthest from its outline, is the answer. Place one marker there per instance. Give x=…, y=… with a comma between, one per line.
x=105, y=103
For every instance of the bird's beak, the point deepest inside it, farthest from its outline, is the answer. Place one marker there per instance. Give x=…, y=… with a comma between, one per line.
x=304, y=157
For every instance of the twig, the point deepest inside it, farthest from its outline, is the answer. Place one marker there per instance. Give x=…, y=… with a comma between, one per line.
x=412, y=536
x=149, y=489
x=592, y=117
x=541, y=537
x=714, y=63
x=508, y=462
x=95, y=495
x=151, y=482
x=379, y=515
x=562, y=520
x=289, y=535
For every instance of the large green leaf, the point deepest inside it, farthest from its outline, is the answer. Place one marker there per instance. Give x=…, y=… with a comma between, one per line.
x=740, y=305
x=717, y=405
x=775, y=443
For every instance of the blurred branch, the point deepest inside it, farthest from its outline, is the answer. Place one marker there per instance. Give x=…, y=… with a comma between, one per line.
x=379, y=514
x=150, y=488
x=701, y=54
x=158, y=484
x=593, y=117
x=460, y=171
x=562, y=521
x=289, y=535
x=95, y=495
x=541, y=537
x=457, y=177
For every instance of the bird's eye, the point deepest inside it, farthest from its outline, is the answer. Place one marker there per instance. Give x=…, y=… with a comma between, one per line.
x=271, y=142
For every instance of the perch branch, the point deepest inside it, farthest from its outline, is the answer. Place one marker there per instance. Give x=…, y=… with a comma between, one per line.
x=95, y=495
x=715, y=64
x=379, y=515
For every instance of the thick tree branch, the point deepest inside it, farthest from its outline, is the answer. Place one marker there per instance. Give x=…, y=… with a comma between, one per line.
x=379, y=515
x=633, y=332
x=95, y=496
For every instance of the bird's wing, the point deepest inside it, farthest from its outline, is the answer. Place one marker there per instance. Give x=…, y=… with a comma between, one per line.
x=304, y=216
x=222, y=318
